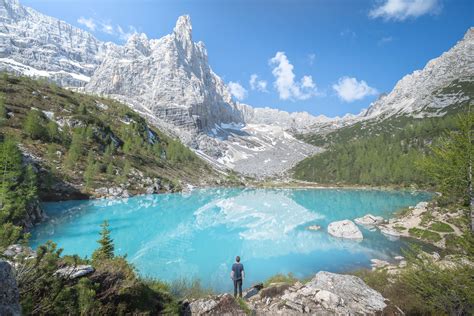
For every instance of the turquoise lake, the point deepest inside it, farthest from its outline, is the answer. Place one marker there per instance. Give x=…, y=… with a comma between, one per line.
x=198, y=234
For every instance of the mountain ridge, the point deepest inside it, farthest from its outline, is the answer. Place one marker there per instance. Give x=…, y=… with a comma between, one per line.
x=170, y=82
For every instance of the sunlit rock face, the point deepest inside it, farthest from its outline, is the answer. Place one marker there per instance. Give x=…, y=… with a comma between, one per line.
x=170, y=77
x=37, y=45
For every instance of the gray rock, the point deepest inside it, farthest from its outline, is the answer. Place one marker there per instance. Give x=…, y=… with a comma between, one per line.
x=345, y=229
x=369, y=220
x=390, y=232
x=274, y=289
x=377, y=263
x=356, y=295
x=17, y=251
x=9, y=295
x=329, y=300
x=314, y=227
x=435, y=256
x=71, y=272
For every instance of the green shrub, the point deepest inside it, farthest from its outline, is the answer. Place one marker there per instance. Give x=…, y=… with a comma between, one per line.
x=243, y=305
x=184, y=288
x=9, y=234
x=449, y=291
x=441, y=227
x=281, y=278
x=461, y=244
x=424, y=234
x=424, y=288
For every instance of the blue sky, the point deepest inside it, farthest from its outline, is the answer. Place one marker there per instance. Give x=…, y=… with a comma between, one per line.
x=326, y=57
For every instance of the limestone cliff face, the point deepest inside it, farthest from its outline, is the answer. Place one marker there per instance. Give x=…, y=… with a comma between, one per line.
x=421, y=92
x=37, y=45
x=170, y=77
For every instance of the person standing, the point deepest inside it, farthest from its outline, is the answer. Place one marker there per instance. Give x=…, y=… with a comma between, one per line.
x=237, y=275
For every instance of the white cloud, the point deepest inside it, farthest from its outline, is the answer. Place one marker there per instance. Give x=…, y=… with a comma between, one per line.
x=385, y=40
x=107, y=28
x=285, y=83
x=87, y=22
x=350, y=89
x=307, y=82
x=125, y=35
x=311, y=58
x=255, y=84
x=401, y=10
x=237, y=90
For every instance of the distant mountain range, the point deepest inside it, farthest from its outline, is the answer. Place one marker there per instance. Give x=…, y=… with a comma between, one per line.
x=170, y=83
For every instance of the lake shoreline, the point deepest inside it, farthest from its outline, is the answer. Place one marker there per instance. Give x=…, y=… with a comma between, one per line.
x=258, y=215
x=273, y=185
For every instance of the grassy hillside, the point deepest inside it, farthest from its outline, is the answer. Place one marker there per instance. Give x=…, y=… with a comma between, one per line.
x=380, y=153
x=83, y=142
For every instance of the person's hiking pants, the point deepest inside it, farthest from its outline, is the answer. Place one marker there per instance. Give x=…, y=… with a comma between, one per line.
x=238, y=285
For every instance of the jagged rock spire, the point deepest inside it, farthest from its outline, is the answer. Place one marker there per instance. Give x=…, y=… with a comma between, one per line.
x=183, y=29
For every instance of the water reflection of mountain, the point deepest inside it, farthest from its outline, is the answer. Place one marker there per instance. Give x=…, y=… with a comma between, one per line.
x=198, y=233
x=353, y=203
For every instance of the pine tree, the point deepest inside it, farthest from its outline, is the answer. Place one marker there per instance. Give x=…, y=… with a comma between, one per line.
x=33, y=125
x=75, y=149
x=91, y=169
x=127, y=146
x=449, y=163
x=51, y=150
x=106, y=248
x=3, y=109
x=110, y=169
x=53, y=131
x=82, y=109
x=17, y=189
x=30, y=183
x=126, y=168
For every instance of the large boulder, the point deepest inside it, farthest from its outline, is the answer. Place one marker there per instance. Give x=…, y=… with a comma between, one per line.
x=345, y=229
x=9, y=295
x=369, y=220
x=326, y=294
x=356, y=296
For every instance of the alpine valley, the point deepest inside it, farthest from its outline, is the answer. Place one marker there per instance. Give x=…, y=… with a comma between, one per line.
x=169, y=82
x=146, y=146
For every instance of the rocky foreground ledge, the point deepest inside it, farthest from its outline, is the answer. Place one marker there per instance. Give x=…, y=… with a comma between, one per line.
x=326, y=294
